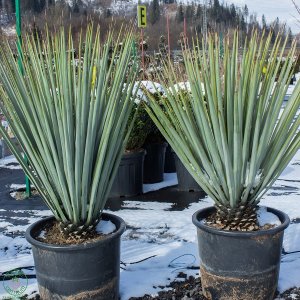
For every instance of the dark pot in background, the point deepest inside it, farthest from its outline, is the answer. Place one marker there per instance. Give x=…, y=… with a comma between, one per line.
x=85, y=271
x=129, y=179
x=239, y=265
x=154, y=163
x=170, y=166
x=186, y=182
x=5, y=151
x=293, y=79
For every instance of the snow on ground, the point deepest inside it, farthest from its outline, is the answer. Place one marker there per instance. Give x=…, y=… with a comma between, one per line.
x=169, y=180
x=10, y=162
x=284, y=195
x=161, y=241
x=9, y=30
x=292, y=238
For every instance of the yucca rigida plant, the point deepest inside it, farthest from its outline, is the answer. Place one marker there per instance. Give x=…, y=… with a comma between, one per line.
x=232, y=133
x=70, y=116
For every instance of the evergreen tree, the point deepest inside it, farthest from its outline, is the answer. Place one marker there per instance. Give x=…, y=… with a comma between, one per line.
x=216, y=10
x=39, y=5
x=233, y=14
x=290, y=36
x=154, y=14
x=199, y=11
x=246, y=12
x=13, y=6
x=76, y=8
x=263, y=21
x=108, y=13
x=189, y=12
x=180, y=14
x=243, y=23
x=276, y=28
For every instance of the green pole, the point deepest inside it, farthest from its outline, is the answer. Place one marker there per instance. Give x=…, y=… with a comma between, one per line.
x=19, y=45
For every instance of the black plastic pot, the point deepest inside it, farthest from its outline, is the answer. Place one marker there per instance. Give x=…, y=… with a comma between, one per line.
x=170, y=166
x=154, y=162
x=129, y=179
x=186, y=182
x=5, y=151
x=85, y=271
x=239, y=265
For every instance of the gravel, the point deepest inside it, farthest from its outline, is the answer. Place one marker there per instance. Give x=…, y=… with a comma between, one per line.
x=189, y=288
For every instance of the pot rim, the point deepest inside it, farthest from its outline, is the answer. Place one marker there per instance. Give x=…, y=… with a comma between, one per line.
x=162, y=144
x=132, y=153
x=119, y=223
x=201, y=214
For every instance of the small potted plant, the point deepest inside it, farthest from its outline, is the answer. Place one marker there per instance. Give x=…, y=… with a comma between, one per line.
x=70, y=118
x=235, y=142
x=129, y=178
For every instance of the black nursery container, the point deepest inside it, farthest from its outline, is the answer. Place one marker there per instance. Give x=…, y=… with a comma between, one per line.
x=129, y=179
x=154, y=162
x=186, y=182
x=170, y=166
x=239, y=265
x=84, y=271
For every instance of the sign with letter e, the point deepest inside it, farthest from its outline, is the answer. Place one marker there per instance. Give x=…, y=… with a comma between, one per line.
x=142, y=16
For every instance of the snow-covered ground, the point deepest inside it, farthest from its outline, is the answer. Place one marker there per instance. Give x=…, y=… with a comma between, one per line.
x=165, y=237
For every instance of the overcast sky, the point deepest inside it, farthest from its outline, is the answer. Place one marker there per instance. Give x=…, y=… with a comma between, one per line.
x=284, y=9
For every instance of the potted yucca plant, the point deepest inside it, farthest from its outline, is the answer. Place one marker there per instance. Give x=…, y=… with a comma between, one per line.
x=235, y=142
x=70, y=117
x=129, y=178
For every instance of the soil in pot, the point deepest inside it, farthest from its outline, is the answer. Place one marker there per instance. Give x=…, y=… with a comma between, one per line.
x=51, y=234
x=239, y=265
x=154, y=162
x=186, y=182
x=86, y=270
x=129, y=178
